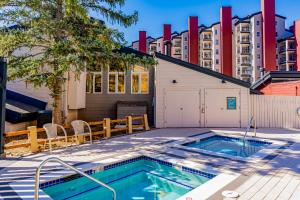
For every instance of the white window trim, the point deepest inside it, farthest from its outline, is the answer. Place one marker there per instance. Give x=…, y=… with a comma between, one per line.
x=117, y=82
x=94, y=81
x=140, y=81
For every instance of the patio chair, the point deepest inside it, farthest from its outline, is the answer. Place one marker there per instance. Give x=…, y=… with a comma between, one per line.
x=51, y=131
x=78, y=126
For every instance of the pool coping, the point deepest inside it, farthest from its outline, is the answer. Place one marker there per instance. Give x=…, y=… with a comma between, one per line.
x=220, y=179
x=256, y=157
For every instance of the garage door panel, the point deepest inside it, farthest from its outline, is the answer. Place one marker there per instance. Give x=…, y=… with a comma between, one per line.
x=191, y=112
x=216, y=112
x=182, y=109
x=173, y=105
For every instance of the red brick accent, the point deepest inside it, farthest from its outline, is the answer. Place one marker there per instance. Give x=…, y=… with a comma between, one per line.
x=269, y=34
x=226, y=41
x=166, y=35
x=297, y=40
x=142, y=41
x=193, y=40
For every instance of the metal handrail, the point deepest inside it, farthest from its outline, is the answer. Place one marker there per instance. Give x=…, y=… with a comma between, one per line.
x=38, y=171
x=248, y=127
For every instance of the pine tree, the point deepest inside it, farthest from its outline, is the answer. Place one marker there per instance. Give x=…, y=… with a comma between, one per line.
x=53, y=37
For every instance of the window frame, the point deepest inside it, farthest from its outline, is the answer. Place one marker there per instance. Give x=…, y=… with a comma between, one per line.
x=93, y=73
x=117, y=73
x=140, y=81
x=94, y=81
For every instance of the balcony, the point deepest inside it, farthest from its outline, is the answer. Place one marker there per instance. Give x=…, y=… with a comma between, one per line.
x=284, y=60
x=177, y=44
x=245, y=30
x=245, y=41
x=245, y=53
x=206, y=47
x=246, y=63
x=207, y=37
x=177, y=51
x=207, y=57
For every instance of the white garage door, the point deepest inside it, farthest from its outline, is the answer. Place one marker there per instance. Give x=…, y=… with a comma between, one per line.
x=182, y=109
x=222, y=108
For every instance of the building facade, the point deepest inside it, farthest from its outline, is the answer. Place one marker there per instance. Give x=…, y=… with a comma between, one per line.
x=253, y=47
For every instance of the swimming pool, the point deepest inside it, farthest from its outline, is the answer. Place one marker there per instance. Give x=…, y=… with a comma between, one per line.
x=141, y=178
x=229, y=145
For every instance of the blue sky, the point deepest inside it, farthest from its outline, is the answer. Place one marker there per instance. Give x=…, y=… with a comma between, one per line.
x=154, y=13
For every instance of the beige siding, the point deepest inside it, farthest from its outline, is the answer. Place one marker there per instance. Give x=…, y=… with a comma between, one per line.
x=188, y=79
x=275, y=111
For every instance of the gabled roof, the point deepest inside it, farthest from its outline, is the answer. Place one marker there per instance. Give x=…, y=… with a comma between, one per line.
x=191, y=66
x=276, y=76
x=203, y=70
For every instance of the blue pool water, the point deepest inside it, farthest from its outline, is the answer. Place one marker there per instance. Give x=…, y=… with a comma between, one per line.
x=143, y=179
x=229, y=146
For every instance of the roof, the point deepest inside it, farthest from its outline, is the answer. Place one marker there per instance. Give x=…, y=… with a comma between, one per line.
x=203, y=70
x=276, y=76
x=252, y=15
x=130, y=50
x=288, y=35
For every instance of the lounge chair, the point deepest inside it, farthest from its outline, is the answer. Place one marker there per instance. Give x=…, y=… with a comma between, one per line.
x=78, y=126
x=51, y=131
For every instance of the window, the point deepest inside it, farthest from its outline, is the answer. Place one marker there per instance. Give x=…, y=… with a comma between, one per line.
x=258, y=34
x=116, y=80
x=257, y=23
x=217, y=51
x=94, y=82
x=258, y=45
x=139, y=80
x=216, y=32
x=217, y=42
x=217, y=61
x=185, y=39
x=276, y=34
x=258, y=56
x=185, y=47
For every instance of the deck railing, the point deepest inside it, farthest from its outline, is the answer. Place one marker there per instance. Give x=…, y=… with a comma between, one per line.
x=105, y=127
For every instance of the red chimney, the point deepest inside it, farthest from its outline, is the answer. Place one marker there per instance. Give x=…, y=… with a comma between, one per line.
x=297, y=41
x=269, y=34
x=142, y=41
x=226, y=40
x=166, y=36
x=193, y=40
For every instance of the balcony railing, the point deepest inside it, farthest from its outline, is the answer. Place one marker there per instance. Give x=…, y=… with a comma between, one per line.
x=207, y=38
x=206, y=47
x=245, y=52
x=245, y=30
x=245, y=41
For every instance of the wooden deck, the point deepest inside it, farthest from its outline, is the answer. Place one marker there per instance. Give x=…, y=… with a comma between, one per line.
x=277, y=179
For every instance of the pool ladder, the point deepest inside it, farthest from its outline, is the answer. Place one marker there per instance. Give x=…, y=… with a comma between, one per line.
x=249, y=127
x=54, y=159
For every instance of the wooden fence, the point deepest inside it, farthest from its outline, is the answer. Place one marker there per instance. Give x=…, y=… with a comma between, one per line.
x=275, y=111
x=104, y=128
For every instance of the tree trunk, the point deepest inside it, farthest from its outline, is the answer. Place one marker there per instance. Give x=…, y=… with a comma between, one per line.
x=57, y=105
x=57, y=90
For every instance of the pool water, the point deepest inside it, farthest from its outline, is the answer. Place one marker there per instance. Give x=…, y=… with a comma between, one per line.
x=229, y=146
x=143, y=179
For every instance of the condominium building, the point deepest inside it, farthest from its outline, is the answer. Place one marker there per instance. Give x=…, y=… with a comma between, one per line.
x=287, y=55
x=260, y=43
x=248, y=45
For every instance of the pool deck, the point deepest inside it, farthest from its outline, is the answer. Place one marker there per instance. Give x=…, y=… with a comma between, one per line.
x=278, y=178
